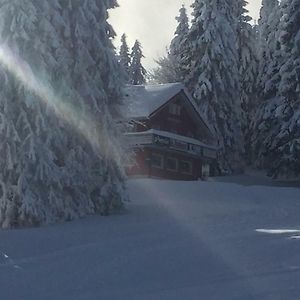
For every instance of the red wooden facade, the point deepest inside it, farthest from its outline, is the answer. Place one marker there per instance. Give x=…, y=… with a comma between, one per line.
x=172, y=141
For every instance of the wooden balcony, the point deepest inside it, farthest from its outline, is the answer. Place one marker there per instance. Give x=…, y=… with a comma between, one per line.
x=171, y=141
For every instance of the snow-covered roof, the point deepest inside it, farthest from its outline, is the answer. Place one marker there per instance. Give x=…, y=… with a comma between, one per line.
x=142, y=100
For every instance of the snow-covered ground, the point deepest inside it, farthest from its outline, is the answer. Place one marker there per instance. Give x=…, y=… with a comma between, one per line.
x=176, y=240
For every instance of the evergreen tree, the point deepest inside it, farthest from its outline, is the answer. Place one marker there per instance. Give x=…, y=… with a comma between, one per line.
x=214, y=75
x=10, y=144
x=265, y=124
x=137, y=72
x=124, y=57
x=248, y=70
x=173, y=66
x=167, y=70
x=269, y=49
x=181, y=32
x=179, y=46
x=56, y=110
x=284, y=152
x=92, y=81
x=290, y=45
x=30, y=173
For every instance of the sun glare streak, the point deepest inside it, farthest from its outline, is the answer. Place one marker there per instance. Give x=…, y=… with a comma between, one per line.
x=187, y=218
x=84, y=124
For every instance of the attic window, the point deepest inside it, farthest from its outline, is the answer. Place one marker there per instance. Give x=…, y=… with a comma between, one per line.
x=175, y=109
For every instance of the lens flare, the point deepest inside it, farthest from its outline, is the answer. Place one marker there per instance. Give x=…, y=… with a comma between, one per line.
x=189, y=218
x=84, y=123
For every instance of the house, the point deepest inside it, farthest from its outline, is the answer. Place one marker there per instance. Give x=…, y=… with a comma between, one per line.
x=169, y=137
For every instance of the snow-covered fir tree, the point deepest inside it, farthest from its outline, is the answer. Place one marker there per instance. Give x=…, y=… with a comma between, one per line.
x=284, y=151
x=214, y=75
x=10, y=144
x=95, y=89
x=173, y=66
x=265, y=124
x=124, y=57
x=137, y=73
x=31, y=172
x=269, y=48
x=248, y=70
x=290, y=45
x=167, y=69
x=57, y=100
x=179, y=47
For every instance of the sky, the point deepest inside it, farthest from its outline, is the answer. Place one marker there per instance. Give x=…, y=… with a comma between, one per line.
x=153, y=23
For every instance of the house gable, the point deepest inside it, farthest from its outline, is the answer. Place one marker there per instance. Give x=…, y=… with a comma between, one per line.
x=179, y=115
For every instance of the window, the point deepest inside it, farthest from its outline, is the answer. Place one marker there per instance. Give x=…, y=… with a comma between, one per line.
x=175, y=109
x=172, y=164
x=157, y=161
x=186, y=167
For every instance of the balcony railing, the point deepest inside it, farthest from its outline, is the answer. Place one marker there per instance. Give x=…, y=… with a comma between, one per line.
x=171, y=141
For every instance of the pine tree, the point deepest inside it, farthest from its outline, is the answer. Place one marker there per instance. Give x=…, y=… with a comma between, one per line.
x=265, y=124
x=284, y=152
x=33, y=172
x=179, y=46
x=56, y=109
x=124, y=57
x=173, y=66
x=9, y=148
x=290, y=45
x=248, y=71
x=214, y=75
x=137, y=72
x=180, y=33
x=167, y=70
x=92, y=79
x=269, y=48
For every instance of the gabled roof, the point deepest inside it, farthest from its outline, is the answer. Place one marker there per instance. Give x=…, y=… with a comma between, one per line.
x=143, y=100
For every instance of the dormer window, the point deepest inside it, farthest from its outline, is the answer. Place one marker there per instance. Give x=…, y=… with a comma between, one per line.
x=174, y=109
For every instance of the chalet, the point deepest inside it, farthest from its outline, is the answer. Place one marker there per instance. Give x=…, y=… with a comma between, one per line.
x=168, y=135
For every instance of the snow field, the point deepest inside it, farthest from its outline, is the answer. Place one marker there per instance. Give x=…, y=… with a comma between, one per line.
x=175, y=240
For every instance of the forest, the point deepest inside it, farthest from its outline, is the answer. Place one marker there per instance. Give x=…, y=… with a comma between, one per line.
x=62, y=86
x=245, y=78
